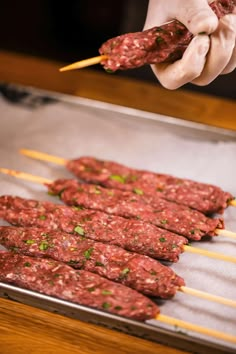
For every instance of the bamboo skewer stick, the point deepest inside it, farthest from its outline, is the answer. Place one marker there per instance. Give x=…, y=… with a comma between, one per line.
x=196, y=328
x=207, y=296
x=84, y=63
x=61, y=161
x=209, y=254
x=42, y=180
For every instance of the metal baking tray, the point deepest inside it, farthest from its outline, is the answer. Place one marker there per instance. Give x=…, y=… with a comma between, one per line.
x=69, y=127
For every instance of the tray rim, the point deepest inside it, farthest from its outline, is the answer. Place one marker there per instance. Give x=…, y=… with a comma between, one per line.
x=182, y=341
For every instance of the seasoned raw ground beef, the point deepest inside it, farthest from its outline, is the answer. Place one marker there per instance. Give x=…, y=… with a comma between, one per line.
x=56, y=279
x=130, y=234
x=139, y=272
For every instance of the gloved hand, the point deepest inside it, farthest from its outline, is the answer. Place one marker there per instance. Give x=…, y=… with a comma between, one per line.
x=208, y=55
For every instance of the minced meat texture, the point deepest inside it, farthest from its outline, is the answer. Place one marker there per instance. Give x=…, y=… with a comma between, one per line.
x=203, y=197
x=165, y=43
x=139, y=272
x=178, y=219
x=130, y=234
x=56, y=279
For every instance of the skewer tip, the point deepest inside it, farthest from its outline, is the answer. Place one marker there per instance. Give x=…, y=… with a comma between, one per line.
x=83, y=63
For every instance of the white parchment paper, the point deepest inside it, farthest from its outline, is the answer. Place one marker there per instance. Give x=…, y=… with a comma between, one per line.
x=134, y=138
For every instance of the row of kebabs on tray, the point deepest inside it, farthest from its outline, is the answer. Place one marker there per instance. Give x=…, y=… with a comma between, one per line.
x=111, y=232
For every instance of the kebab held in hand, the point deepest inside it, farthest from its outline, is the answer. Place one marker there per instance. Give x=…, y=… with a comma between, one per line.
x=149, y=186
x=120, y=203
x=132, y=235
x=163, y=44
x=59, y=280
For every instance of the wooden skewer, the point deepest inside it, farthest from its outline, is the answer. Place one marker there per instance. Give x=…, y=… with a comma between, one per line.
x=233, y=202
x=60, y=161
x=207, y=296
x=192, y=327
x=209, y=254
x=83, y=63
x=42, y=180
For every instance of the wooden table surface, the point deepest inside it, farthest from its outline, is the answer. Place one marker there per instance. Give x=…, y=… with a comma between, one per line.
x=28, y=330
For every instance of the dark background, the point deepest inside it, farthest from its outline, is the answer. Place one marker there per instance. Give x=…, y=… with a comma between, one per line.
x=72, y=30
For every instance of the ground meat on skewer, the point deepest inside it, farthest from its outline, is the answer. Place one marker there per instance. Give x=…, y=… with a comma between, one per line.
x=56, y=279
x=181, y=220
x=139, y=272
x=166, y=43
x=203, y=197
x=130, y=234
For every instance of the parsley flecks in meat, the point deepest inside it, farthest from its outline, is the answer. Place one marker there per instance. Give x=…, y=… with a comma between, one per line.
x=79, y=230
x=138, y=191
x=42, y=217
x=162, y=239
x=88, y=252
x=43, y=246
x=29, y=242
x=106, y=292
x=106, y=305
x=118, y=178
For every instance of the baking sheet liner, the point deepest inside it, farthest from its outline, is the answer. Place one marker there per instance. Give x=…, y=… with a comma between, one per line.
x=70, y=127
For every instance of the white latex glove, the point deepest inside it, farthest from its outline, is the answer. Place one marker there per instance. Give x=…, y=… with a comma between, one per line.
x=207, y=56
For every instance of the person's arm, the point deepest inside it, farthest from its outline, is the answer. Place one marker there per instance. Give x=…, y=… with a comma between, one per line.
x=212, y=51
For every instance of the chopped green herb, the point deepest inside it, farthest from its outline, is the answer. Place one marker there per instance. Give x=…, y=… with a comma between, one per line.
x=192, y=232
x=202, y=33
x=179, y=31
x=77, y=208
x=88, y=253
x=138, y=191
x=174, y=246
x=164, y=221
x=159, y=29
x=99, y=264
x=106, y=305
x=138, y=217
x=118, y=178
x=153, y=272
x=125, y=271
x=159, y=40
x=162, y=239
x=29, y=242
x=97, y=190
x=106, y=292
x=109, y=71
x=27, y=264
x=111, y=193
x=91, y=289
x=133, y=307
x=43, y=246
x=52, y=193
x=42, y=217
x=51, y=282
x=118, y=308
x=79, y=230
x=56, y=275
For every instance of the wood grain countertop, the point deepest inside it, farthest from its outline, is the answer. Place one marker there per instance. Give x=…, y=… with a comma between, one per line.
x=28, y=330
